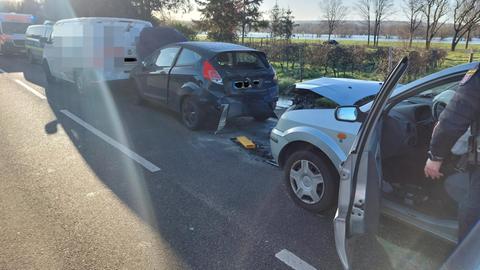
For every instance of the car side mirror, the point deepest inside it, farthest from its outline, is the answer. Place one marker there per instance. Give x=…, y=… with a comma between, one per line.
x=348, y=114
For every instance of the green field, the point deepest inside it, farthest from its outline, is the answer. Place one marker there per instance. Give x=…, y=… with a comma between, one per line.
x=460, y=56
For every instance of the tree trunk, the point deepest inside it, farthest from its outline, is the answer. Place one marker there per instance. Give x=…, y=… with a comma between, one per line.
x=427, y=36
x=243, y=33
x=369, y=32
x=455, y=41
x=468, y=38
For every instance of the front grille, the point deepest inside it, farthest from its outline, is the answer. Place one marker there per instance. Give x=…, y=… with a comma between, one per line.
x=19, y=43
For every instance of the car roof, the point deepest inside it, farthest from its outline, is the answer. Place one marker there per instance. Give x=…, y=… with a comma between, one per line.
x=427, y=79
x=340, y=90
x=39, y=26
x=103, y=19
x=445, y=72
x=212, y=48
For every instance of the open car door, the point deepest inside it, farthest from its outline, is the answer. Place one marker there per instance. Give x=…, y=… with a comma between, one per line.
x=360, y=181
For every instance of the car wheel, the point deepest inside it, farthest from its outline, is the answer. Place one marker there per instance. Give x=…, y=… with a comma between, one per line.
x=137, y=96
x=310, y=181
x=31, y=60
x=192, y=113
x=48, y=75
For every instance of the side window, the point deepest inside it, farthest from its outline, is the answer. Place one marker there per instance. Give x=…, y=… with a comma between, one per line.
x=188, y=58
x=48, y=32
x=438, y=89
x=166, y=57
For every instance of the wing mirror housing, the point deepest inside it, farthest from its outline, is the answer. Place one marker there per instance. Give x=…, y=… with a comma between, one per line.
x=349, y=114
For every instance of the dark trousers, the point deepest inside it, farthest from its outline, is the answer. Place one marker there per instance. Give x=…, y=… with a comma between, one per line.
x=469, y=211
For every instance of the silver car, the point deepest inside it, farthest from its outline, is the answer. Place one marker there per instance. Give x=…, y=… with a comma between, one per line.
x=384, y=168
x=310, y=144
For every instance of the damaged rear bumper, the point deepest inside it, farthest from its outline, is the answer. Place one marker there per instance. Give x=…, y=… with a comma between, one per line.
x=248, y=104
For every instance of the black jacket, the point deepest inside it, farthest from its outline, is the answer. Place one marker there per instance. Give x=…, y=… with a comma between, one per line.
x=460, y=113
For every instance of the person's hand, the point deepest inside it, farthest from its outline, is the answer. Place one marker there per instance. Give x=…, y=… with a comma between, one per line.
x=432, y=169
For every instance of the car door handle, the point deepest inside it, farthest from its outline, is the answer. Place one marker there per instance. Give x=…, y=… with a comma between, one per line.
x=158, y=72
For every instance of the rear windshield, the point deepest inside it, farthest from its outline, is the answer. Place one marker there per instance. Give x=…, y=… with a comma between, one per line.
x=242, y=60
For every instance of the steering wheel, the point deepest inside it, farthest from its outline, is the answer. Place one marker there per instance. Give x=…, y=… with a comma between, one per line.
x=440, y=102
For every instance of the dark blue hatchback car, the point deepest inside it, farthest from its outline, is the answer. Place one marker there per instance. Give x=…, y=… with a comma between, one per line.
x=201, y=79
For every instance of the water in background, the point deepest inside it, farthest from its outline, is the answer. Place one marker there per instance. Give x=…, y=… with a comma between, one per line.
x=353, y=37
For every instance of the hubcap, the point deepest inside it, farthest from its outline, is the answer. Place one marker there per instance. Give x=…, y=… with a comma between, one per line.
x=306, y=181
x=189, y=113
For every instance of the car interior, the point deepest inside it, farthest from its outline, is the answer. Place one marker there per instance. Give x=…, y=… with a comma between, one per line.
x=406, y=133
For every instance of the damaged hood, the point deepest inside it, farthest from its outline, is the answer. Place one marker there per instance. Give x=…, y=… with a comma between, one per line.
x=342, y=91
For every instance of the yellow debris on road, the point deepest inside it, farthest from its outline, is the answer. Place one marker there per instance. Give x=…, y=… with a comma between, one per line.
x=246, y=142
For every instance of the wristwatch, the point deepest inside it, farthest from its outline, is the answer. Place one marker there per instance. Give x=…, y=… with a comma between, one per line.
x=432, y=157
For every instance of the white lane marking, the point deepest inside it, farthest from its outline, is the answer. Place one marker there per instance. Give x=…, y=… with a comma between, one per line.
x=293, y=261
x=2, y=71
x=122, y=148
x=30, y=89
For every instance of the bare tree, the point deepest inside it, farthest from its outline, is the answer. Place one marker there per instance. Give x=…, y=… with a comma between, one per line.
x=435, y=12
x=469, y=33
x=334, y=13
x=381, y=9
x=365, y=11
x=466, y=14
x=413, y=12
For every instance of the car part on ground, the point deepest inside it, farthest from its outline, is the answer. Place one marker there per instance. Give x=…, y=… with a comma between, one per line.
x=246, y=142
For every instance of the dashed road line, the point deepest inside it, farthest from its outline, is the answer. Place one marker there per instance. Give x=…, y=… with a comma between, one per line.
x=122, y=148
x=293, y=261
x=30, y=89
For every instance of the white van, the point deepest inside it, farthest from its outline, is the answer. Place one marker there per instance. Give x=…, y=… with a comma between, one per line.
x=87, y=50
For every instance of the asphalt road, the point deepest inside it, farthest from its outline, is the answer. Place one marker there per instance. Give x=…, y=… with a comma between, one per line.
x=95, y=182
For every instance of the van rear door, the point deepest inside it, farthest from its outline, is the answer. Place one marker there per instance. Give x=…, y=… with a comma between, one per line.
x=120, y=41
x=359, y=195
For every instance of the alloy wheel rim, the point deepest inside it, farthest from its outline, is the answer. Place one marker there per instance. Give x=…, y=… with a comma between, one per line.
x=307, y=182
x=189, y=114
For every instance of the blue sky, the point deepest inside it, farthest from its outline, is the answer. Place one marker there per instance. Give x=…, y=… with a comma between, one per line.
x=307, y=9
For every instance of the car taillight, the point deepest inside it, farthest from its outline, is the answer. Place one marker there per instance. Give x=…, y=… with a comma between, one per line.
x=211, y=74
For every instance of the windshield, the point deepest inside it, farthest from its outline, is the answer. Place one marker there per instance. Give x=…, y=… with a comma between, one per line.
x=14, y=27
x=214, y=134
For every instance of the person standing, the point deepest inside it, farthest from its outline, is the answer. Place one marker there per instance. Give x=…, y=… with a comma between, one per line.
x=461, y=113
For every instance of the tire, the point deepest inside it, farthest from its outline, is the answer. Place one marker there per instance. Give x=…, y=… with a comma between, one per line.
x=30, y=57
x=192, y=114
x=319, y=179
x=137, y=96
x=48, y=75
